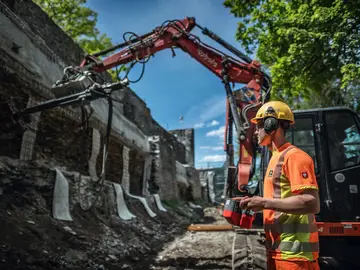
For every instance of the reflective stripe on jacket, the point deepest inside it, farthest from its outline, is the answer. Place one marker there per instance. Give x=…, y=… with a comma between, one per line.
x=290, y=236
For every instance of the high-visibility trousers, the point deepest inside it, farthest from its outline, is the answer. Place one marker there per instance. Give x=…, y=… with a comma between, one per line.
x=291, y=265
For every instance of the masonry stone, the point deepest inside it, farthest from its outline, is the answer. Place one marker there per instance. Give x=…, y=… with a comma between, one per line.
x=125, y=181
x=33, y=53
x=187, y=138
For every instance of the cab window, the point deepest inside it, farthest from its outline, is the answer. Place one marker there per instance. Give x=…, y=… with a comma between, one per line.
x=301, y=134
x=343, y=139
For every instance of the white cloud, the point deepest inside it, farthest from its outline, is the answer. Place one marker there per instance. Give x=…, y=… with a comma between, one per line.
x=220, y=132
x=217, y=132
x=213, y=123
x=214, y=158
x=214, y=148
x=199, y=125
x=211, y=108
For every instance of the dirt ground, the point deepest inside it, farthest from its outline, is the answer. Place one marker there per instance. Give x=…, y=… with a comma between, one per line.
x=30, y=238
x=97, y=240
x=198, y=250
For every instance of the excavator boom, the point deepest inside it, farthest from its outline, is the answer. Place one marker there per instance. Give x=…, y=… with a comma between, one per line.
x=176, y=34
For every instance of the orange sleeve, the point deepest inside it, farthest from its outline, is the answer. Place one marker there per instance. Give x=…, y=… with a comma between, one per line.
x=301, y=172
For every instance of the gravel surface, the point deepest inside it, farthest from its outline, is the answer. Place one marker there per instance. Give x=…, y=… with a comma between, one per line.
x=198, y=249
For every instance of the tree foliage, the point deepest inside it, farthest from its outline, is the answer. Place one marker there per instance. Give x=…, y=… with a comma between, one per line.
x=311, y=47
x=79, y=22
x=72, y=17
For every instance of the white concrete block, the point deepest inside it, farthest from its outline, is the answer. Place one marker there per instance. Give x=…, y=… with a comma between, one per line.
x=158, y=202
x=29, y=136
x=61, y=205
x=123, y=212
x=94, y=153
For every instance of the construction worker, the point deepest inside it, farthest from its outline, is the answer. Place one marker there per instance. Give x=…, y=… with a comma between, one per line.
x=291, y=197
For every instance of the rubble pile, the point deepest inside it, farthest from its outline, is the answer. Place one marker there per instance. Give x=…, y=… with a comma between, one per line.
x=95, y=239
x=142, y=161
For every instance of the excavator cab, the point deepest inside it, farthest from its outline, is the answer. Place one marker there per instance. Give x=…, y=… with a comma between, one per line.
x=331, y=136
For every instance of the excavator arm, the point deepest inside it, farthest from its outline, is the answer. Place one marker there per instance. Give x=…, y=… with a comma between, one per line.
x=176, y=34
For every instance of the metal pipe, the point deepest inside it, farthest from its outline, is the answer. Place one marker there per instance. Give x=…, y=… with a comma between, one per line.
x=228, y=46
x=121, y=45
x=210, y=227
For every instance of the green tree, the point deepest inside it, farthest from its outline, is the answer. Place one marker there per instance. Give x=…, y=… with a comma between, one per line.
x=96, y=44
x=312, y=47
x=79, y=22
x=72, y=17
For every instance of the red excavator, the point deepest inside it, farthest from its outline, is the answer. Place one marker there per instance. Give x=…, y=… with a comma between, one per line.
x=330, y=135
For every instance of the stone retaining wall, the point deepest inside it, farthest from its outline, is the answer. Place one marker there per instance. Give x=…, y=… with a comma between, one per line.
x=33, y=54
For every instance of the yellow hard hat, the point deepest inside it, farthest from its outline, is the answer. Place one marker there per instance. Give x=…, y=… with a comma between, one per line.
x=277, y=109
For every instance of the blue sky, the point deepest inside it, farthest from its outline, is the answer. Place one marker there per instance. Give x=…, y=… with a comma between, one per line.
x=180, y=86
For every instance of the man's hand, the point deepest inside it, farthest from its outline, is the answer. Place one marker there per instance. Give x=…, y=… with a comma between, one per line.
x=255, y=203
x=306, y=202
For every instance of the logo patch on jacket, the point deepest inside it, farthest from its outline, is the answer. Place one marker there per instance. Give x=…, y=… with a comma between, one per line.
x=304, y=175
x=271, y=173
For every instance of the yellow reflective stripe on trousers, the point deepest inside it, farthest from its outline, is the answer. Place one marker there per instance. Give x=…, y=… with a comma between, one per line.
x=296, y=247
x=290, y=228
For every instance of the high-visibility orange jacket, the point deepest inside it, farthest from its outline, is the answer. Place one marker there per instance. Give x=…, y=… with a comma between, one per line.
x=289, y=236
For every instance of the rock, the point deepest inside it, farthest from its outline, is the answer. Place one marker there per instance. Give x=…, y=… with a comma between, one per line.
x=148, y=232
x=68, y=229
x=75, y=255
x=115, y=243
x=6, y=181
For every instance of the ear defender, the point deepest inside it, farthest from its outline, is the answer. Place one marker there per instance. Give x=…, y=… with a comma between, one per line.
x=271, y=125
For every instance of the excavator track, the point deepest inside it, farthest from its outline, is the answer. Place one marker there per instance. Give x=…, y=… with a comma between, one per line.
x=248, y=250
